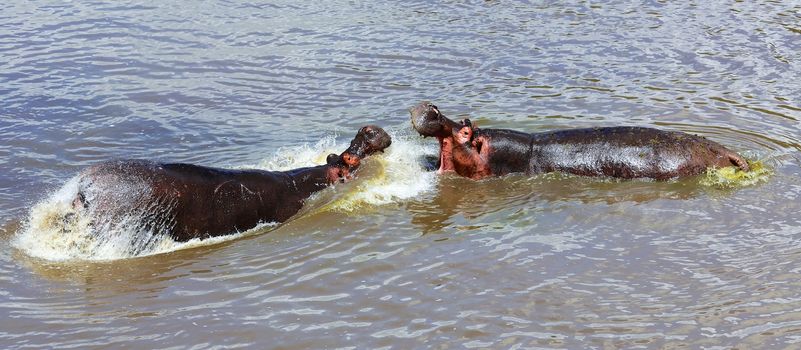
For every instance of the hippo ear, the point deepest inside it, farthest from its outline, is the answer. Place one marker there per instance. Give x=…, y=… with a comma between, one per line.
x=332, y=159
x=466, y=122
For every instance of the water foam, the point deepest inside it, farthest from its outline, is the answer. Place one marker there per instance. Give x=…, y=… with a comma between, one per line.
x=398, y=176
x=732, y=177
x=287, y=158
x=55, y=230
x=391, y=177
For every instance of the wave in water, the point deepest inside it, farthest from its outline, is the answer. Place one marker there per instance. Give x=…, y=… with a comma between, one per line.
x=732, y=177
x=395, y=177
x=391, y=177
x=54, y=230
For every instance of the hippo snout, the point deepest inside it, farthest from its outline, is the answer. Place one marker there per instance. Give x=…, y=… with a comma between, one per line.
x=369, y=140
x=426, y=119
x=377, y=139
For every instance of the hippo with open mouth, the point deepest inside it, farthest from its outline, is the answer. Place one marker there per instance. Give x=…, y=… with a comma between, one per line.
x=189, y=201
x=620, y=152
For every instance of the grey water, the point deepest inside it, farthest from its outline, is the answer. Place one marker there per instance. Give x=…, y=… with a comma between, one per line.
x=423, y=261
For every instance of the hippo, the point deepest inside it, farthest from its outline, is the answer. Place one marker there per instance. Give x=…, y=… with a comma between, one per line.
x=625, y=152
x=189, y=201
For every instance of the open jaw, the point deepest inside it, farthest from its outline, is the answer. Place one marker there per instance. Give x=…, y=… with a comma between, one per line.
x=428, y=121
x=445, y=154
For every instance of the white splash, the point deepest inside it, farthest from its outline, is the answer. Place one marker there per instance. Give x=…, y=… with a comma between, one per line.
x=395, y=176
x=55, y=230
x=287, y=158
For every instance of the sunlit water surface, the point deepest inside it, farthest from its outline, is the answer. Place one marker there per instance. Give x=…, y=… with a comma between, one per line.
x=403, y=258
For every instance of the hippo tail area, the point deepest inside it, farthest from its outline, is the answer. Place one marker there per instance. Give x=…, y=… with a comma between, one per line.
x=91, y=218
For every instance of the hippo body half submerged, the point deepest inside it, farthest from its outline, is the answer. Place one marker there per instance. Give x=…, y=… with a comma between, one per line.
x=189, y=201
x=620, y=152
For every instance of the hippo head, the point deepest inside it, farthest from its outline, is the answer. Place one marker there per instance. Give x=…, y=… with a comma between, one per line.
x=370, y=139
x=428, y=121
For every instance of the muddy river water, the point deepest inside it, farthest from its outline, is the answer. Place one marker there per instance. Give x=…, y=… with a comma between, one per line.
x=403, y=258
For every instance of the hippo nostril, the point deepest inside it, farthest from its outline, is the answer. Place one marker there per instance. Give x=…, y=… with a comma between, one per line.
x=350, y=160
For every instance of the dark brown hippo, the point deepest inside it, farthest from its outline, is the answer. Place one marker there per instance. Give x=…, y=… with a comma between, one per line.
x=189, y=201
x=621, y=152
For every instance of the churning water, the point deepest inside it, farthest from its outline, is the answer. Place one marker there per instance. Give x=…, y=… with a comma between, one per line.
x=401, y=257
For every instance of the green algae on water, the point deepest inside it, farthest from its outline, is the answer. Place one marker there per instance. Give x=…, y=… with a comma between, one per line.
x=732, y=176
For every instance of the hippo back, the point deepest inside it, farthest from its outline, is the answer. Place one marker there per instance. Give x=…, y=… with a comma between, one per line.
x=624, y=152
x=183, y=200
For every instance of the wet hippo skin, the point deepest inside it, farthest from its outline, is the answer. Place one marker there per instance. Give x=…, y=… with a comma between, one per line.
x=190, y=201
x=621, y=152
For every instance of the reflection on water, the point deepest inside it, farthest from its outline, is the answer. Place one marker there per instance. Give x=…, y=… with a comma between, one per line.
x=402, y=258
